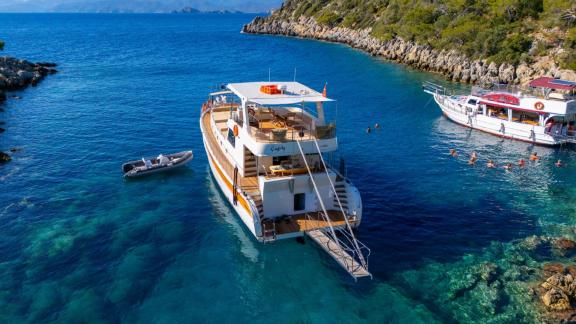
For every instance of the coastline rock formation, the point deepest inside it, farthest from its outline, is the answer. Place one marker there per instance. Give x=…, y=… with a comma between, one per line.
x=449, y=63
x=18, y=74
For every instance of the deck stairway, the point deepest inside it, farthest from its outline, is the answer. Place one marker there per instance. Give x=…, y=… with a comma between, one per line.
x=340, y=243
x=250, y=170
x=341, y=196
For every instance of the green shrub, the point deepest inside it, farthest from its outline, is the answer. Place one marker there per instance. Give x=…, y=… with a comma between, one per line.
x=570, y=42
x=330, y=19
x=496, y=29
x=512, y=49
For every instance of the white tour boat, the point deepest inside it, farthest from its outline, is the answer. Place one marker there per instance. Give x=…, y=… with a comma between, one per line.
x=268, y=146
x=542, y=113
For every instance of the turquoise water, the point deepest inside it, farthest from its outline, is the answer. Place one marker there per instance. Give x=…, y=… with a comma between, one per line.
x=81, y=244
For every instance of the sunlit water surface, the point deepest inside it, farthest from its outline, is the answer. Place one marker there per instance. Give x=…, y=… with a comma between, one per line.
x=79, y=243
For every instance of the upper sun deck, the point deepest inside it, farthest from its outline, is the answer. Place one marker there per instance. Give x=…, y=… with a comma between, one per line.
x=274, y=116
x=281, y=93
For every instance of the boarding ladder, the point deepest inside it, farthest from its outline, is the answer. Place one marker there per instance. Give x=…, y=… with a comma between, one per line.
x=341, y=244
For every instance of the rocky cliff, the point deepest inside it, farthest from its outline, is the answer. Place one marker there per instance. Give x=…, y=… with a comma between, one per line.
x=449, y=63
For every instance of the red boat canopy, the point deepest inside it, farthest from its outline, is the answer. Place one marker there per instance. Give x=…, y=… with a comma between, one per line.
x=551, y=83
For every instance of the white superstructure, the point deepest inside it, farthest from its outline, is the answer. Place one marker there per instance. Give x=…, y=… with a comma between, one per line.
x=543, y=113
x=268, y=144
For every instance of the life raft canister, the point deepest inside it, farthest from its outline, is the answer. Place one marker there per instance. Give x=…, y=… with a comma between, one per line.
x=539, y=105
x=235, y=130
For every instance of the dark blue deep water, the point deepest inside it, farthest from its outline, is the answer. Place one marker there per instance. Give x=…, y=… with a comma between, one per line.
x=80, y=244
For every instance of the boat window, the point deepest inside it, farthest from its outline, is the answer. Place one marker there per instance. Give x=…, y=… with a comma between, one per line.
x=500, y=113
x=278, y=160
x=472, y=102
x=299, y=201
x=525, y=117
x=231, y=137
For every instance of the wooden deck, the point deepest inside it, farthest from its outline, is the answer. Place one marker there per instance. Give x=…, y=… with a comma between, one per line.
x=247, y=184
x=301, y=223
x=348, y=262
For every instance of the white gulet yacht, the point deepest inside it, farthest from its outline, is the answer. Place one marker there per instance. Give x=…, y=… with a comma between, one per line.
x=268, y=145
x=543, y=113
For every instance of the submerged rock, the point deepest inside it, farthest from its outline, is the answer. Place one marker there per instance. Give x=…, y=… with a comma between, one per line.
x=4, y=157
x=559, y=292
x=564, y=246
x=556, y=299
x=553, y=268
x=488, y=272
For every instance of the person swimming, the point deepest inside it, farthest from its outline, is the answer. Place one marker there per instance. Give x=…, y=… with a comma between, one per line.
x=376, y=126
x=368, y=130
x=490, y=164
x=559, y=164
x=473, y=158
x=453, y=153
x=521, y=163
x=534, y=157
x=508, y=167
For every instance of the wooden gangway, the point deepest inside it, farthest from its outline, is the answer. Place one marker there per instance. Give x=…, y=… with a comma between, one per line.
x=335, y=250
x=339, y=242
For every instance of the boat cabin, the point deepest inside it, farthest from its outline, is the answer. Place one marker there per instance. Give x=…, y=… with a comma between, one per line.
x=546, y=101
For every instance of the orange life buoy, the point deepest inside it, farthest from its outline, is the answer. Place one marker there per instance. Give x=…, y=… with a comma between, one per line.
x=539, y=105
x=235, y=130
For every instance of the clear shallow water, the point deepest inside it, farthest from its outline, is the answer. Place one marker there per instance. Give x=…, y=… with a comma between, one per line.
x=79, y=243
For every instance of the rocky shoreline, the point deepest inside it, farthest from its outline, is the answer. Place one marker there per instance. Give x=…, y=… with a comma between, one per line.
x=15, y=75
x=449, y=63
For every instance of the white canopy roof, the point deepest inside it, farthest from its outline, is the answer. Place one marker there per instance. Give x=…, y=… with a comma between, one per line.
x=294, y=93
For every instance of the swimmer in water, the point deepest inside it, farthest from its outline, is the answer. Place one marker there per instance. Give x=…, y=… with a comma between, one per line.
x=368, y=130
x=559, y=164
x=534, y=157
x=453, y=153
x=521, y=163
x=508, y=167
x=490, y=164
x=473, y=159
x=376, y=126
